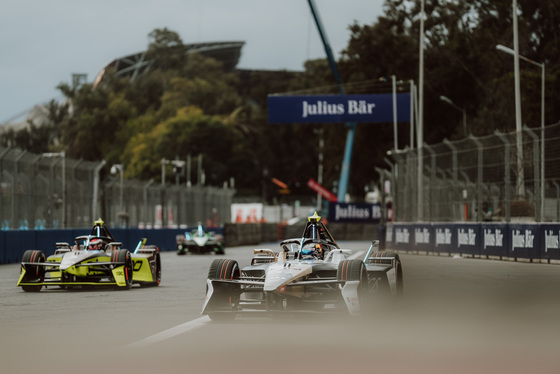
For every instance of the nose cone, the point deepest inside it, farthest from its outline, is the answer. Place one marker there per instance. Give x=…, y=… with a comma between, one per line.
x=73, y=258
x=280, y=274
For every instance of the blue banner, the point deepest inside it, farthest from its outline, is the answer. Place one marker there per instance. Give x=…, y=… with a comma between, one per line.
x=337, y=108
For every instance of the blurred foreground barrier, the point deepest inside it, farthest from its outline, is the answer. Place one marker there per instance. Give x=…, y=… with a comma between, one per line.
x=531, y=241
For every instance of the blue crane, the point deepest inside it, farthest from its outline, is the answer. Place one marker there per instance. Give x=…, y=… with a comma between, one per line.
x=345, y=170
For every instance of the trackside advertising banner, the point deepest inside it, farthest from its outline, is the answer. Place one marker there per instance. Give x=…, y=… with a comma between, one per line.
x=337, y=108
x=490, y=240
x=354, y=212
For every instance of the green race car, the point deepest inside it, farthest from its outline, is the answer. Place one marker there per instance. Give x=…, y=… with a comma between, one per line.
x=95, y=260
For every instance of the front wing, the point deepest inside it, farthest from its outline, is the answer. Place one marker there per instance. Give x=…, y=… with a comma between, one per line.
x=86, y=273
x=248, y=296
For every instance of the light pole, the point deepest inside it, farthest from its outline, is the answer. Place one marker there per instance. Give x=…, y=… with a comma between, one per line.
x=448, y=101
x=63, y=156
x=420, y=131
x=114, y=169
x=510, y=51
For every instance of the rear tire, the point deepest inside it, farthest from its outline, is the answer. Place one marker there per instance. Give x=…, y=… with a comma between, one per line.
x=33, y=273
x=156, y=273
x=399, y=276
x=123, y=255
x=399, y=283
x=355, y=270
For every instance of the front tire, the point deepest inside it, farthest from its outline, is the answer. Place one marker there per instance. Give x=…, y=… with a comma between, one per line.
x=33, y=273
x=228, y=296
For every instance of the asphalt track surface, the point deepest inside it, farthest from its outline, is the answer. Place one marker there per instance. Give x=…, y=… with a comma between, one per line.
x=458, y=315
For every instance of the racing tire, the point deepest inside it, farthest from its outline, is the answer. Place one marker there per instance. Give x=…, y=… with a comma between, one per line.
x=399, y=276
x=225, y=269
x=220, y=250
x=156, y=274
x=33, y=273
x=354, y=270
x=399, y=283
x=123, y=255
x=181, y=250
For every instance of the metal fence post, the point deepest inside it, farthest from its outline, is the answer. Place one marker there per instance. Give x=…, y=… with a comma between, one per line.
x=507, y=176
x=479, y=177
x=537, y=177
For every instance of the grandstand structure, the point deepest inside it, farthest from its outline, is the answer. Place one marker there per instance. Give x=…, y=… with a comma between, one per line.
x=132, y=66
x=228, y=53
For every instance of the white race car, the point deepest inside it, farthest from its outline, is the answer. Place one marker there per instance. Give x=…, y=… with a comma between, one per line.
x=308, y=274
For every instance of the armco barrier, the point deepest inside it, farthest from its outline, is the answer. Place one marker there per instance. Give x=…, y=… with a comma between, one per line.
x=530, y=241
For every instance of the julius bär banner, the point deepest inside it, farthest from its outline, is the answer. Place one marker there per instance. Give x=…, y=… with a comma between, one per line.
x=337, y=108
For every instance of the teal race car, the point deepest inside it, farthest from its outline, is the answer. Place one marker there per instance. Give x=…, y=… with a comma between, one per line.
x=200, y=241
x=95, y=260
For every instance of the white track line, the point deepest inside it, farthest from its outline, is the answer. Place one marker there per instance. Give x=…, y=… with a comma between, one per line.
x=169, y=333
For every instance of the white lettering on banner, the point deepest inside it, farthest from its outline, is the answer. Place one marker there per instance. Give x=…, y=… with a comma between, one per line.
x=551, y=240
x=493, y=238
x=524, y=240
x=351, y=212
x=402, y=236
x=466, y=237
x=443, y=236
x=360, y=107
x=376, y=212
x=321, y=108
x=389, y=235
x=421, y=236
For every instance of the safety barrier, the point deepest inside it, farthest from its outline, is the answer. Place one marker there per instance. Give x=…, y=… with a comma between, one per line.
x=13, y=243
x=513, y=241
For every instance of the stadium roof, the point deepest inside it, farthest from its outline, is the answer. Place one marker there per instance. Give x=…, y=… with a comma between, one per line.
x=133, y=65
x=228, y=53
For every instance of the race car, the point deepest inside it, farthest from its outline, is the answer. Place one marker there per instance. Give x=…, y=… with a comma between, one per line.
x=311, y=273
x=200, y=241
x=96, y=260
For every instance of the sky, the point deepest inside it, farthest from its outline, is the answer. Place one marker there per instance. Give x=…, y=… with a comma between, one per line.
x=44, y=42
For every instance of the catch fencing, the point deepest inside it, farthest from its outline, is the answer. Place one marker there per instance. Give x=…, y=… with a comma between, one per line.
x=51, y=191
x=504, y=177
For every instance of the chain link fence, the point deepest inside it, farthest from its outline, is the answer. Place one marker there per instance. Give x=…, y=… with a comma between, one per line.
x=49, y=190
x=501, y=177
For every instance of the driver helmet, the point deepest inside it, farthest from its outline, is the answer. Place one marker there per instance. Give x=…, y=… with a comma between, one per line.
x=313, y=250
x=95, y=244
